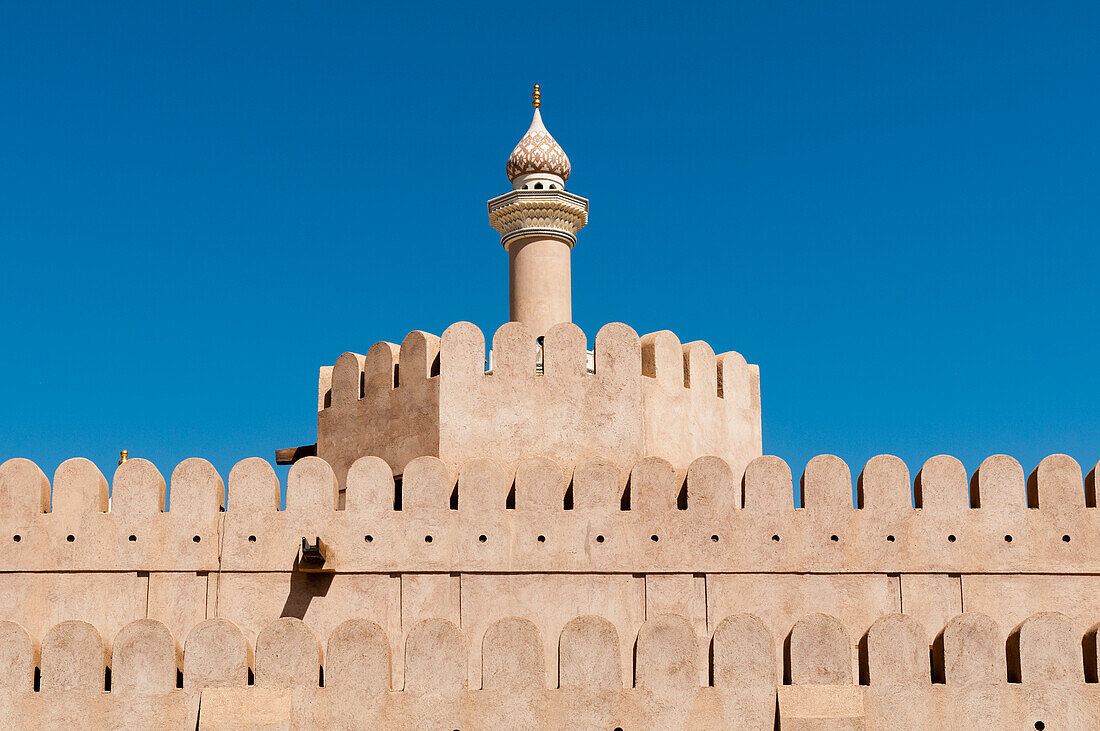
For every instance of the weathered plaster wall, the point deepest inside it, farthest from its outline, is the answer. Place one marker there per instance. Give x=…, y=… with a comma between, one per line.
x=648, y=396
x=500, y=589
x=384, y=403
x=978, y=674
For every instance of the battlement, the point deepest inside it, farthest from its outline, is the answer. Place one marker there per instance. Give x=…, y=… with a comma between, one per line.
x=540, y=516
x=673, y=677
x=694, y=592
x=644, y=396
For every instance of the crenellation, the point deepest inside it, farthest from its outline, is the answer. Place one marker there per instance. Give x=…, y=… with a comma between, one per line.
x=654, y=489
x=357, y=657
x=694, y=514
x=896, y=652
x=818, y=652
x=483, y=489
x=1044, y=648
x=973, y=648
x=427, y=486
x=347, y=379
x=73, y=658
x=1036, y=669
x=381, y=366
x=701, y=368
x=216, y=655
x=884, y=487
x=512, y=656
x=19, y=656
x=288, y=655
x=435, y=659
x=312, y=492
x=370, y=488
x=539, y=395
x=826, y=488
x=681, y=545
x=565, y=355
x=540, y=485
x=711, y=488
x=254, y=488
x=418, y=360
x=666, y=655
x=597, y=485
x=79, y=488
x=1055, y=486
x=589, y=655
x=767, y=485
x=144, y=659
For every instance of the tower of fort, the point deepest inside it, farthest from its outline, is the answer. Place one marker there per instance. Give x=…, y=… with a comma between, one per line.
x=546, y=528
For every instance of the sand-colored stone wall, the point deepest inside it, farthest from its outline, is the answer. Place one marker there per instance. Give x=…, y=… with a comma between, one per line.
x=511, y=567
x=646, y=396
x=978, y=674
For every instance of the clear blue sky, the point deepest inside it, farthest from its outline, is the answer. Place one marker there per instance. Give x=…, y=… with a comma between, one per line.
x=891, y=207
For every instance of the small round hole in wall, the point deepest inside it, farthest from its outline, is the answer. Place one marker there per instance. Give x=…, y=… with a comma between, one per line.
x=951, y=538
x=775, y=538
x=599, y=539
x=427, y=539
x=196, y=539
x=17, y=538
x=714, y=538
x=133, y=538
x=1065, y=539
x=70, y=538
x=368, y=539
x=1008, y=539
x=890, y=538
x=1039, y=725
x=482, y=538
x=252, y=539
x=834, y=538
x=542, y=539
x=654, y=538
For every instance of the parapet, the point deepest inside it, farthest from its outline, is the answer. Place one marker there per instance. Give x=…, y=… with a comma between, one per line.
x=643, y=396
x=550, y=594
x=539, y=515
x=1033, y=675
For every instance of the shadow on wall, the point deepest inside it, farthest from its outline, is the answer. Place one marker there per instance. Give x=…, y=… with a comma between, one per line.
x=304, y=587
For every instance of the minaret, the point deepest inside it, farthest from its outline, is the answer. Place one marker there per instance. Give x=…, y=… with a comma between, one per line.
x=538, y=224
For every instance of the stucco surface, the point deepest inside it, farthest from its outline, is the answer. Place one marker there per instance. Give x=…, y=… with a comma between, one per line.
x=648, y=396
x=658, y=597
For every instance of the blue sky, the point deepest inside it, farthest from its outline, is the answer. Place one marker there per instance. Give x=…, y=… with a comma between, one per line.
x=890, y=207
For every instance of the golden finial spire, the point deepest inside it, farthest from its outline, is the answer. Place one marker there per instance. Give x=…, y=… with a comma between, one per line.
x=536, y=97
x=122, y=457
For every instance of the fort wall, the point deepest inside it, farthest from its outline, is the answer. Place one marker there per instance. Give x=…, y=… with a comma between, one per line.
x=644, y=396
x=1032, y=675
x=495, y=544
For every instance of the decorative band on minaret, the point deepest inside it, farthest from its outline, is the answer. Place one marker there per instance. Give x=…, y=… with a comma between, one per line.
x=538, y=224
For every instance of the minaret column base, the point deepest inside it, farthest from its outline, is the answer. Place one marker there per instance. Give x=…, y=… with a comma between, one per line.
x=539, y=282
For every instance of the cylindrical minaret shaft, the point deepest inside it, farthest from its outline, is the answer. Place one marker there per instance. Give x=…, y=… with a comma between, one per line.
x=539, y=289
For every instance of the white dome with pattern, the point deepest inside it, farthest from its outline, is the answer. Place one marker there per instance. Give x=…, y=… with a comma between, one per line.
x=537, y=156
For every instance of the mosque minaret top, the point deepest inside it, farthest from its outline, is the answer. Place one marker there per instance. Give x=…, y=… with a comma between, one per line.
x=538, y=162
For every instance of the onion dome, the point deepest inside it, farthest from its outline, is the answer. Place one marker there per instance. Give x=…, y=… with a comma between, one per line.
x=538, y=162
